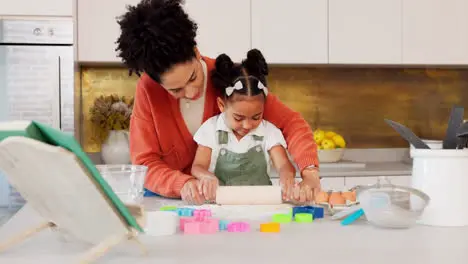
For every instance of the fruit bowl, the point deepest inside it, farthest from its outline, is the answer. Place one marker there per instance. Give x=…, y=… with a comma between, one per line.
x=330, y=155
x=330, y=145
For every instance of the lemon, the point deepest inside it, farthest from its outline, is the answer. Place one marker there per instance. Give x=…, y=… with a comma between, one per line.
x=339, y=141
x=328, y=144
x=319, y=135
x=330, y=134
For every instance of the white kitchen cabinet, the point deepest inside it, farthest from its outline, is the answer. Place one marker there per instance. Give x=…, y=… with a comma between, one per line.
x=291, y=32
x=223, y=27
x=36, y=8
x=98, y=29
x=435, y=32
x=365, y=31
x=218, y=31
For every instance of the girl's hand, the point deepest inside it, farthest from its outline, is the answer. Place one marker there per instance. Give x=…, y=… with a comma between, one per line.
x=287, y=184
x=189, y=193
x=207, y=186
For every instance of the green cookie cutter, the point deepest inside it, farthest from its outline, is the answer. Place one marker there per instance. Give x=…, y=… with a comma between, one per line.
x=282, y=218
x=168, y=208
x=304, y=218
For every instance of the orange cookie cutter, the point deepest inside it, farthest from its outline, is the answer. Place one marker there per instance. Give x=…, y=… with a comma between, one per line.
x=270, y=227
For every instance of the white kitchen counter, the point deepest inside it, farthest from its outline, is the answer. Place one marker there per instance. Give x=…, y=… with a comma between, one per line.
x=322, y=241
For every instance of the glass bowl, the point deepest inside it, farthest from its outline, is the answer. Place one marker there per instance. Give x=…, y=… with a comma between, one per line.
x=127, y=181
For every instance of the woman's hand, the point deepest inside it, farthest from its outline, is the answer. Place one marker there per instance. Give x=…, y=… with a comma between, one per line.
x=305, y=191
x=189, y=193
x=207, y=186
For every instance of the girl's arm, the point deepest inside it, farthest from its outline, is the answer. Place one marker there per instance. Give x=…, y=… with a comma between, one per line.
x=201, y=163
x=282, y=164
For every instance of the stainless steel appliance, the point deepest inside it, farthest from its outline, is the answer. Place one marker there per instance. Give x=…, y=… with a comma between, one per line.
x=36, y=75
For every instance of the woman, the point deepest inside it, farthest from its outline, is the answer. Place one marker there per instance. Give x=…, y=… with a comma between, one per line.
x=175, y=95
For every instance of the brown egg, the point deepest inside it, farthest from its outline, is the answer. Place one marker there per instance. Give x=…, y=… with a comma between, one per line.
x=336, y=198
x=322, y=197
x=349, y=196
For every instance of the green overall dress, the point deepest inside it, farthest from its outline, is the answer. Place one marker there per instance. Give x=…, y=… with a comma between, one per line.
x=249, y=168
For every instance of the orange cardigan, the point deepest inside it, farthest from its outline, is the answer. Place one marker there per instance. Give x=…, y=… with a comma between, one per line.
x=160, y=139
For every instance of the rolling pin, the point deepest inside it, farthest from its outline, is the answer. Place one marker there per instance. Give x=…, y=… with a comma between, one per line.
x=249, y=195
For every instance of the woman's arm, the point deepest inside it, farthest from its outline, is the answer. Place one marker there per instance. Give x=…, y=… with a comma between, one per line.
x=201, y=163
x=296, y=130
x=145, y=150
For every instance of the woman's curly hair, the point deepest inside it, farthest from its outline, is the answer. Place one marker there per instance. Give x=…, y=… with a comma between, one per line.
x=156, y=35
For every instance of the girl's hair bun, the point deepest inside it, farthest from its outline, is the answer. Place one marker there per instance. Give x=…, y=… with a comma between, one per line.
x=256, y=63
x=223, y=73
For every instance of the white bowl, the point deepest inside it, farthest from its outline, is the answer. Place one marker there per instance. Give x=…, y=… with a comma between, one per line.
x=330, y=155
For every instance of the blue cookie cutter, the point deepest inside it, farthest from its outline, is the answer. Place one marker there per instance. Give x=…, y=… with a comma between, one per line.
x=223, y=224
x=185, y=211
x=317, y=212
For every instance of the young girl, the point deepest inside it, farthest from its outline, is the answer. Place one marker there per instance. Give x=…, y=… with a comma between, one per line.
x=237, y=146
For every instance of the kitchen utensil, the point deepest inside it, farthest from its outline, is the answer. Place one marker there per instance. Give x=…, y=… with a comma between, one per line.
x=455, y=120
x=392, y=206
x=407, y=134
x=353, y=217
x=346, y=212
x=462, y=134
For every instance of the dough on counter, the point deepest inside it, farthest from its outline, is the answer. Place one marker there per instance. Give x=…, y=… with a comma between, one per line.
x=249, y=195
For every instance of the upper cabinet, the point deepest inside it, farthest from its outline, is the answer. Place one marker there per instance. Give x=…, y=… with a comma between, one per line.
x=435, y=32
x=36, y=8
x=365, y=31
x=379, y=32
x=223, y=26
x=98, y=29
x=293, y=31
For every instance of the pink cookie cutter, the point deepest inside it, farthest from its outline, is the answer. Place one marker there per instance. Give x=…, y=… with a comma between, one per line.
x=184, y=220
x=207, y=226
x=238, y=227
x=201, y=214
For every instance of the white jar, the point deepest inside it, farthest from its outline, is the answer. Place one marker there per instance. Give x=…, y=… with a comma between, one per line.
x=443, y=175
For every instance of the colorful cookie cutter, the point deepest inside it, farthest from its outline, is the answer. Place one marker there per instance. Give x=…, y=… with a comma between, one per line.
x=185, y=211
x=282, y=218
x=201, y=214
x=208, y=226
x=303, y=209
x=270, y=227
x=238, y=227
x=223, y=224
x=316, y=211
x=168, y=208
x=184, y=220
x=304, y=217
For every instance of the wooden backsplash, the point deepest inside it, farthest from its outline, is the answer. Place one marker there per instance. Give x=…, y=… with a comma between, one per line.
x=350, y=101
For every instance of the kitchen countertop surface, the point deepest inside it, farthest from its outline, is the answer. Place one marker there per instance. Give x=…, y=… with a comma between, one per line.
x=370, y=169
x=324, y=240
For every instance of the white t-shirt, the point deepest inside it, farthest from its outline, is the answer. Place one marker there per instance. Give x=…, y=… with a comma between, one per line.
x=207, y=136
x=192, y=110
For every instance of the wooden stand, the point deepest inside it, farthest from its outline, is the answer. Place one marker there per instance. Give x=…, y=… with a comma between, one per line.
x=68, y=196
x=97, y=251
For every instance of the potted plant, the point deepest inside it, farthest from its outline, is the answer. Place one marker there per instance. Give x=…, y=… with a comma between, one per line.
x=110, y=116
